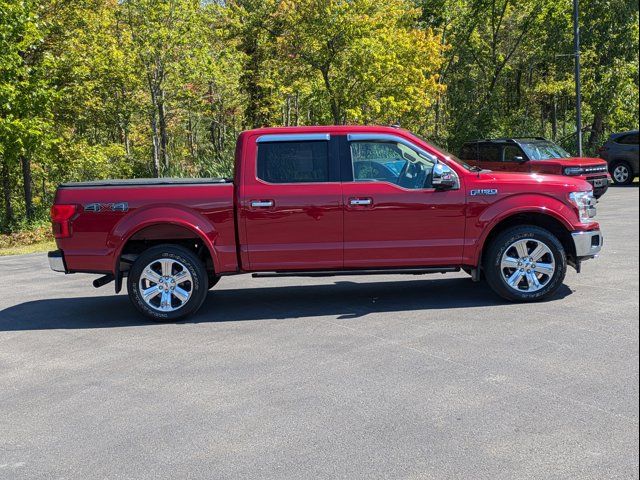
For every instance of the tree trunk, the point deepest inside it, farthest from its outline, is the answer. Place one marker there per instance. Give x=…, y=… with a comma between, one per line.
x=597, y=128
x=162, y=124
x=26, y=180
x=6, y=193
x=554, y=118
x=335, y=109
x=156, y=144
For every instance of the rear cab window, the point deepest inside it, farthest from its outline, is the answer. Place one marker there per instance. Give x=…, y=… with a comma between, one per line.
x=304, y=161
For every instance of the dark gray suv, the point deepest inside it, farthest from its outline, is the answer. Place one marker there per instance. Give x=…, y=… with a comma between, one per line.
x=621, y=153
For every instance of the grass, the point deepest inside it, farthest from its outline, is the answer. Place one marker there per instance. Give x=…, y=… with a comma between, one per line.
x=28, y=241
x=32, y=248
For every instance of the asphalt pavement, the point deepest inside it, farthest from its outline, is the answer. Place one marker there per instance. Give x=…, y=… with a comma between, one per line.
x=399, y=377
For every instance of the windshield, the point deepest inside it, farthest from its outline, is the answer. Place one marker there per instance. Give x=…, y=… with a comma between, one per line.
x=543, y=150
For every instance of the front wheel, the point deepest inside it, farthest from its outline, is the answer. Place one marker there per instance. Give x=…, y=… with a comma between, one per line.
x=525, y=264
x=168, y=282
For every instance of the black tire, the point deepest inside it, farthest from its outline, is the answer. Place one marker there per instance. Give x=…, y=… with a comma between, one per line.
x=197, y=286
x=623, y=167
x=497, y=279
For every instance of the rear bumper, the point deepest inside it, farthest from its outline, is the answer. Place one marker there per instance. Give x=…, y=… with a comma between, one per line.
x=588, y=243
x=56, y=261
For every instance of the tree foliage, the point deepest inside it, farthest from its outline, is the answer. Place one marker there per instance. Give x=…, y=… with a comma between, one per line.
x=121, y=88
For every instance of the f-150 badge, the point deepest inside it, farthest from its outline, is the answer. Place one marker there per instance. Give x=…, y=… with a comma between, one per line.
x=484, y=191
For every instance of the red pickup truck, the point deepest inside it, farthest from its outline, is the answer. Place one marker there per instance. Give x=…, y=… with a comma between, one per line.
x=323, y=201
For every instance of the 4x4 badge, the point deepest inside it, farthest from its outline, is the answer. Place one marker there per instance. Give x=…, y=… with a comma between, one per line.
x=484, y=191
x=107, y=207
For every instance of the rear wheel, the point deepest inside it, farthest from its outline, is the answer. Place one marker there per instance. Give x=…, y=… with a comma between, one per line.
x=168, y=282
x=622, y=173
x=525, y=264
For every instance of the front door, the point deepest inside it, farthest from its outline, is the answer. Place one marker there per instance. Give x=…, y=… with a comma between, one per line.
x=514, y=159
x=291, y=205
x=393, y=215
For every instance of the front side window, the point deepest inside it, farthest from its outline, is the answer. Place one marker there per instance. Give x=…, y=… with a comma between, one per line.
x=512, y=152
x=543, y=150
x=293, y=162
x=390, y=162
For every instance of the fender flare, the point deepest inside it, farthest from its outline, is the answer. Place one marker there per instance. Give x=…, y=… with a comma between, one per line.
x=522, y=204
x=172, y=214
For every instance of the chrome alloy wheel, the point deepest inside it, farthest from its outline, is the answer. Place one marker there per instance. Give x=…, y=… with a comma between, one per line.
x=527, y=265
x=621, y=173
x=165, y=285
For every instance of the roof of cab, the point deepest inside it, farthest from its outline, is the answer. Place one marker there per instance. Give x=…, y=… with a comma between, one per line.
x=337, y=129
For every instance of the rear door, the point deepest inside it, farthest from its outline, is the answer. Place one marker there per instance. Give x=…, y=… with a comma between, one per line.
x=490, y=156
x=291, y=203
x=393, y=215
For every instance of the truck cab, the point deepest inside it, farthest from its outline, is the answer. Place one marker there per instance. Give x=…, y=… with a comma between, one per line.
x=324, y=201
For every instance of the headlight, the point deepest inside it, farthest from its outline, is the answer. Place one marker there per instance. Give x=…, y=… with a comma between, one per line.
x=573, y=171
x=585, y=203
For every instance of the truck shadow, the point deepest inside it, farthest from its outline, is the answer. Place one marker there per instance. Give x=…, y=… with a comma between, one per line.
x=341, y=299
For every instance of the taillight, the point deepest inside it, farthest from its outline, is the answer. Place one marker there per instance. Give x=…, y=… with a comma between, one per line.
x=61, y=219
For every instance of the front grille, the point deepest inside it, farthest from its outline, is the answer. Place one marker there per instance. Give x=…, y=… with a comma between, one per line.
x=598, y=169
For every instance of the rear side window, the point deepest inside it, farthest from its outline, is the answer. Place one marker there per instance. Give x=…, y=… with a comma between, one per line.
x=631, y=139
x=293, y=162
x=489, y=153
x=469, y=151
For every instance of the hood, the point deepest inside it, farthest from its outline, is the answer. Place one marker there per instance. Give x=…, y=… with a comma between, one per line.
x=576, y=162
x=533, y=182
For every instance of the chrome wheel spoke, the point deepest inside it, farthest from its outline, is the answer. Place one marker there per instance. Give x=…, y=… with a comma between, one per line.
x=521, y=248
x=545, y=268
x=150, y=275
x=181, y=294
x=540, y=251
x=167, y=267
x=532, y=280
x=165, y=301
x=510, y=262
x=515, y=278
x=150, y=293
x=182, y=276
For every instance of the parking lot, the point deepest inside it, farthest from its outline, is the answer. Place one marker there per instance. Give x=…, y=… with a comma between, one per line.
x=420, y=377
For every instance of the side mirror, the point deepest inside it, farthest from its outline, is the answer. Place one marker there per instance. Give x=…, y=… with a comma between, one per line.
x=443, y=178
x=519, y=159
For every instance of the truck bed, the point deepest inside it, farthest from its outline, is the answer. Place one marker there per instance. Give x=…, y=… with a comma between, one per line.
x=110, y=214
x=145, y=182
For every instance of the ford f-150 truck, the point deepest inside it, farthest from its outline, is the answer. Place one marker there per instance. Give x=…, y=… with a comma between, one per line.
x=323, y=201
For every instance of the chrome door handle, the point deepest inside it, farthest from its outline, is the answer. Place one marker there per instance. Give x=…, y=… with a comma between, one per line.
x=360, y=201
x=262, y=203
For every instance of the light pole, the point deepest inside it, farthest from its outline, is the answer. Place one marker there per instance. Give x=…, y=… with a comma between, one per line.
x=576, y=48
